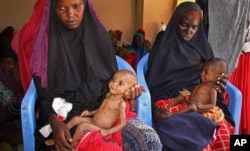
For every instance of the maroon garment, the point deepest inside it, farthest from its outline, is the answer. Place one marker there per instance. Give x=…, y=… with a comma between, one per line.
x=22, y=43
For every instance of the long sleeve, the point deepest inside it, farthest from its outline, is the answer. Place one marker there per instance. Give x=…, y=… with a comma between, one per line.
x=44, y=103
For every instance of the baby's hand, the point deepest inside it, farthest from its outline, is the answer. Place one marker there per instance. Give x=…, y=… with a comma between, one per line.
x=104, y=132
x=184, y=92
x=198, y=105
x=84, y=113
x=167, y=109
x=169, y=114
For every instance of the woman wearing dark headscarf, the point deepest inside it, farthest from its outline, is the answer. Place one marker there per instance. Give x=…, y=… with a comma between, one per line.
x=73, y=59
x=138, y=45
x=175, y=63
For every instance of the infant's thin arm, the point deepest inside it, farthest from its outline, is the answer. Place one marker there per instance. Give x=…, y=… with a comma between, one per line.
x=88, y=113
x=177, y=100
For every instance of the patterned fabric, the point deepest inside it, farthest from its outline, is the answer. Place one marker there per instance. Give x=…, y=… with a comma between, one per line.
x=162, y=104
x=222, y=141
x=137, y=136
x=216, y=114
x=94, y=140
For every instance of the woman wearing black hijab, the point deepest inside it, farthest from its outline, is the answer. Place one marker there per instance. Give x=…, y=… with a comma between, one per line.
x=73, y=59
x=175, y=63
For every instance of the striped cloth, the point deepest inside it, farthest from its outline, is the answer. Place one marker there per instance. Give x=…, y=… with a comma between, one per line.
x=222, y=141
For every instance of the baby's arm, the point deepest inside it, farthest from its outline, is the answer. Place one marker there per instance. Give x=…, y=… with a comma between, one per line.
x=121, y=124
x=88, y=113
x=184, y=92
x=180, y=98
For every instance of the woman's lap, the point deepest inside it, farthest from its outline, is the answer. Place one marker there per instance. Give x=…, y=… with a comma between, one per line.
x=137, y=136
x=189, y=131
x=222, y=141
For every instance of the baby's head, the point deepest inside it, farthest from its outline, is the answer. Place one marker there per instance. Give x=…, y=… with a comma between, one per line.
x=122, y=81
x=212, y=69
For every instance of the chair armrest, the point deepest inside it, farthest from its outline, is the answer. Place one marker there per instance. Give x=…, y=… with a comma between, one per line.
x=235, y=104
x=144, y=100
x=28, y=117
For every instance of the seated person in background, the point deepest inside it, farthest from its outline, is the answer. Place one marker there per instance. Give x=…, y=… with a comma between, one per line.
x=148, y=45
x=138, y=45
x=9, y=77
x=129, y=55
x=121, y=42
x=10, y=100
x=114, y=41
x=142, y=31
x=203, y=98
x=109, y=118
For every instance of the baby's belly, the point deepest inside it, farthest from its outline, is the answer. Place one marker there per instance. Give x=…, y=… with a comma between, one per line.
x=103, y=122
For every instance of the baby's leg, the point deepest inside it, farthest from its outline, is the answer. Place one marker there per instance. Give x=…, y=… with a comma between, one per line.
x=77, y=120
x=84, y=126
x=191, y=107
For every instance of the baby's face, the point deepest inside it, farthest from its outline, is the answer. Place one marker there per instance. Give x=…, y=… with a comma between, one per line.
x=121, y=82
x=210, y=72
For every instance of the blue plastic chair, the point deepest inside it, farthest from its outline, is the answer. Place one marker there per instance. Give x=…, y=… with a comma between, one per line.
x=28, y=110
x=235, y=96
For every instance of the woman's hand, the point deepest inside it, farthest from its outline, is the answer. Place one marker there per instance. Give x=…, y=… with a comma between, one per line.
x=61, y=134
x=159, y=114
x=134, y=92
x=104, y=132
x=221, y=82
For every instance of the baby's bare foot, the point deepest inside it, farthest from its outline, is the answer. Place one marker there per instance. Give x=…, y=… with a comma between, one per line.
x=49, y=142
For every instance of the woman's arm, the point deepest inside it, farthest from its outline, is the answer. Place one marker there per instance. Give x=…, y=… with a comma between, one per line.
x=60, y=132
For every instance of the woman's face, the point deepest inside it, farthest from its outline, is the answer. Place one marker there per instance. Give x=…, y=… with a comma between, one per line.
x=188, y=25
x=70, y=12
x=138, y=42
x=8, y=64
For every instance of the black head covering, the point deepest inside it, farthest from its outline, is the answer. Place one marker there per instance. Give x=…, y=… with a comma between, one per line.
x=81, y=61
x=9, y=53
x=4, y=44
x=174, y=64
